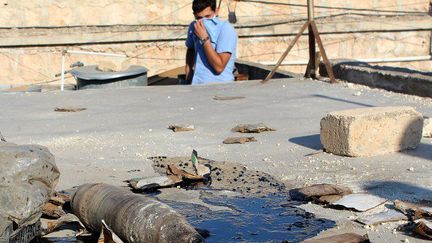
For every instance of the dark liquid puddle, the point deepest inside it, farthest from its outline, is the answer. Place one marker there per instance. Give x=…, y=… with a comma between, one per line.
x=261, y=219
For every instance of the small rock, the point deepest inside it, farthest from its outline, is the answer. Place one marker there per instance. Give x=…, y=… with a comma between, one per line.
x=411, y=169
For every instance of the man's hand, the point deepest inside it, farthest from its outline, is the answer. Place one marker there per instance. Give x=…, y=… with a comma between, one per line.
x=200, y=30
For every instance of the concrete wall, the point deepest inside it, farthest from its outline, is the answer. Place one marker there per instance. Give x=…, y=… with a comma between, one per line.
x=33, y=55
x=24, y=13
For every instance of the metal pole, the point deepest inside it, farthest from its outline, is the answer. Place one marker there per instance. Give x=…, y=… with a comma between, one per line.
x=310, y=71
x=311, y=12
x=63, y=70
x=96, y=53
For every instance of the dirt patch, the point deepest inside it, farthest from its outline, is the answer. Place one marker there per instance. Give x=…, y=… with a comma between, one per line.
x=226, y=176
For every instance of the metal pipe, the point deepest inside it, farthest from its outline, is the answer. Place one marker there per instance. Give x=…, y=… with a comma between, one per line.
x=368, y=60
x=96, y=53
x=311, y=13
x=63, y=70
x=133, y=217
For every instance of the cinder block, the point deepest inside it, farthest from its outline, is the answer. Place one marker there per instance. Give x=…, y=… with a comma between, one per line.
x=427, y=128
x=371, y=131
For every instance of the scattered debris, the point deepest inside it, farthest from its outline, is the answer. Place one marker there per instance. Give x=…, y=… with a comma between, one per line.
x=60, y=199
x=153, y=183
x=360, y=202
x=316, y=192
x=384, y=217
x=54, y=207
x=252, y=128
x=239, y=140
x=182, y=128
x=344, y=238
x=412, y=211
x=174, y=176
x=225, y=176
x=225, y=98
x=69, y=109
x=24, y=233
x=200, y=169
x=329, y=199
x=2, y=138
x=29, y=175
x=134, y=218
x=65, y=219
x=174, y=170
x=107, y=235
x=52, y=210
x=424, y=229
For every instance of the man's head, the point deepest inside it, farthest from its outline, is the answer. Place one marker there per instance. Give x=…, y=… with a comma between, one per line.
x=204, y=8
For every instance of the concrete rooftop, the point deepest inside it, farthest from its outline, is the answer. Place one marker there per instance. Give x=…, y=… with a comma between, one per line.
x=122, y=127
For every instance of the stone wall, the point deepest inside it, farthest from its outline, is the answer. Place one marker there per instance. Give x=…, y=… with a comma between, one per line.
x=33, y=55
x=23, y=13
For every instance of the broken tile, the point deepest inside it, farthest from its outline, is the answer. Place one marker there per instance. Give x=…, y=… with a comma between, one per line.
x=239, y=140
x=424, y=228
x=174, y=170
x=107, y=235
x=60, y=199
x=224, y=98
x=343, y=238
x=69, y=109
x=413, y=211
x=316, y=191
x=384, y=217
x=65, y=219
x=52, y=210
x=182, y=128
x=154, y=182
x=252, y=128
x=329, y=199
x=202, y=170
x=360, y=202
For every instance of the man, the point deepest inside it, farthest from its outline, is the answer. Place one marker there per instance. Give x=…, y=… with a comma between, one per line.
x=212, y=46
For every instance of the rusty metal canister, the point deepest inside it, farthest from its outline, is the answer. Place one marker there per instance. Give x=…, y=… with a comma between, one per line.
x=133, y=217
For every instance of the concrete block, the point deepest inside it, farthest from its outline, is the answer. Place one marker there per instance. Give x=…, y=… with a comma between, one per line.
x=371, y=131
x=427, y=128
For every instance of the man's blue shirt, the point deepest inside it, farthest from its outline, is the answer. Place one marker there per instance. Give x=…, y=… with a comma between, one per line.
x=223, y=38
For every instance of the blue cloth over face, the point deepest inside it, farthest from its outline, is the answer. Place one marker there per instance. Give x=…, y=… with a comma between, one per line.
x=223, y=38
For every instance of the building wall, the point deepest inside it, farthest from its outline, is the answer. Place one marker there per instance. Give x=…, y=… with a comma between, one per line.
x=24, y=13
x=36, y=58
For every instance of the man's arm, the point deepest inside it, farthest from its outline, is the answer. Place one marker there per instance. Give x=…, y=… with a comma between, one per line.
x=218, y=61
x=190, y=56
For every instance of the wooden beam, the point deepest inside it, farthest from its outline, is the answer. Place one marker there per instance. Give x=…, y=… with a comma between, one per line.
x=282, y=58
x=327, y=63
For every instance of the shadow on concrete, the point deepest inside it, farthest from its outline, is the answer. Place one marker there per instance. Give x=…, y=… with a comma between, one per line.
x=394, y=190
x=342, y=100
x=312, y=141
x=423, y=151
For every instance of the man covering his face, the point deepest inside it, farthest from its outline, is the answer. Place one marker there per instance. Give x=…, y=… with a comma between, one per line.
x=212, y=46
